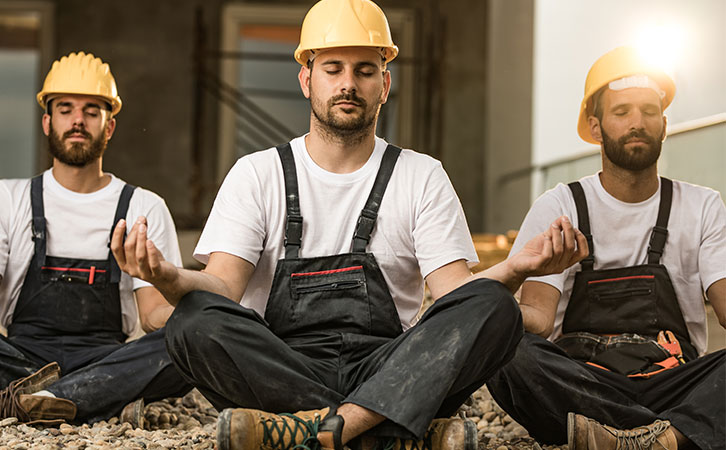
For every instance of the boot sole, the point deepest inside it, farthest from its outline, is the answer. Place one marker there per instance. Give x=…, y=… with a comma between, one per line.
x=471, y=437
x=223, y=429
x=571, y=431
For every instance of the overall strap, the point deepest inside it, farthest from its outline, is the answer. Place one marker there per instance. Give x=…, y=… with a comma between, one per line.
x=369, y=214
x=39, y=228
x=583, y=223
x=294, y=220
x=121, y=209
x=660, y=230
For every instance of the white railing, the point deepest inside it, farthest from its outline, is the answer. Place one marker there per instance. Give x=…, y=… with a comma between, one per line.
x=695, y=151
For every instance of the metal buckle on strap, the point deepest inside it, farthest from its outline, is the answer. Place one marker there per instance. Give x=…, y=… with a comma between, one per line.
x=657, y=240
x=364, y=227
x=38, y=235
x=293, y=230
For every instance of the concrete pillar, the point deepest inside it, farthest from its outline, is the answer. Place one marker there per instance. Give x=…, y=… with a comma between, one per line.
x=508, y=113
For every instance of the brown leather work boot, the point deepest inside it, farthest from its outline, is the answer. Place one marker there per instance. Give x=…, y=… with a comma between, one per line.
x=443, y=434
x=584, y=433
x=251, y=429
x=16, y=399
x=133, y=414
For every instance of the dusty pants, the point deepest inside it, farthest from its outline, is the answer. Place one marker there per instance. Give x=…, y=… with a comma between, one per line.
x=231, y=356
x=541, y=384
x=99, y=376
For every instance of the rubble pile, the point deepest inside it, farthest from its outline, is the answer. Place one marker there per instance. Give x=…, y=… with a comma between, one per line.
x=190, y=423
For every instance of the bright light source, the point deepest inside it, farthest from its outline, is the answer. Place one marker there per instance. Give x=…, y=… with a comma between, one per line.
x=661, y=45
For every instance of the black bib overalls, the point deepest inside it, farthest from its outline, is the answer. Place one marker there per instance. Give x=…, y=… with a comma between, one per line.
x=69, y=311
x=614, y=316
x=331, y=334
x=544, y=382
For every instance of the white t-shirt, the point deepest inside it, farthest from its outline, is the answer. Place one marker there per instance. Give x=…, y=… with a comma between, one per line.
x=79, y=226
x=420, y=227
x=694, y=254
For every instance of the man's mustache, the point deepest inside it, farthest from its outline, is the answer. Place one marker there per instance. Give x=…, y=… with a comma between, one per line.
x=351, y=97
x=80, y=131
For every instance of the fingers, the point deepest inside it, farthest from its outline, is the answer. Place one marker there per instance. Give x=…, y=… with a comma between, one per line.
x=117, y=243
x=155, y=258
x=547, y=245
x=557, y=242
x=140, y=252
x=133, y=253
x=583, y=249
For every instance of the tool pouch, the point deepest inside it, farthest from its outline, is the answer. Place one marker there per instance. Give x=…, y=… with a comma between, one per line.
x=628, y=354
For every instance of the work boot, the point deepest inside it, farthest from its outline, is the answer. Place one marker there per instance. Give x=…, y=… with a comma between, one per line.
x=443, y=434
x=250, y=429
x=133, y=414
x=584, y=433
x=16, y=399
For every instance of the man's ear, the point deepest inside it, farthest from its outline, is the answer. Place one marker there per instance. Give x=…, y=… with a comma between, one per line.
x=304, y=78
x=110, y=127
x=45, y=122
x=386, y=86
x=665, y=128
x=595, y=130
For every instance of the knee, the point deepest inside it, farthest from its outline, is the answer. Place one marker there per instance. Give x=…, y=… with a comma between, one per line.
x=193, y=317
x=493, y=301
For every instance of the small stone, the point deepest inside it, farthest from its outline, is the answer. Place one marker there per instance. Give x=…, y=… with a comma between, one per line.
x=120, y=430
x=66, y=429
x=8, y=421
x=25, y=429
x=489, y=416
x=164, y=418
x=502, y=447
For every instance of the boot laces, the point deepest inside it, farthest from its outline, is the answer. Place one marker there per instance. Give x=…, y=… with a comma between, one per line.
x=641, y=438
x=282, y=434
x=10, y=405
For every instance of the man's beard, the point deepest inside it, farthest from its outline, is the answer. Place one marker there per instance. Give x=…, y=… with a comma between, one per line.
x=345, y=128
x=78, y=154
x=639, y=159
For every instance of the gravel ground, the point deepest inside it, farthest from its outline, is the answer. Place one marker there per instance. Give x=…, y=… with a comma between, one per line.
x=189, y=423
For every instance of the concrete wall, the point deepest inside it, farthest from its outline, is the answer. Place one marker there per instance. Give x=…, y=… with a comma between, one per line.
x=508, y=120
x=149, y=46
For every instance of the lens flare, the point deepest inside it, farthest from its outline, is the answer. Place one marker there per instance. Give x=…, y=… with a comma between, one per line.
x=662, y=45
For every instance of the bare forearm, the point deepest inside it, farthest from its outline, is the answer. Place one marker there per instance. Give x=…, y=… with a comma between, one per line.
x=535, y=321
x=716, y=294
x=186, y=281
x=157, y=318
x=503, y=273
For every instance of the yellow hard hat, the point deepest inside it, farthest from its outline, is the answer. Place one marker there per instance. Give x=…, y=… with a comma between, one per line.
x=616, y=64
x=345, y=23
x=81, y=74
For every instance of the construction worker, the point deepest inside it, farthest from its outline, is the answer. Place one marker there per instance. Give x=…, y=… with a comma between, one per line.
x=67, y=307
x=326, y=242
x=624, y=366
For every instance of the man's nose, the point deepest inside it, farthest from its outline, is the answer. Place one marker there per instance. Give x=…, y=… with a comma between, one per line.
x=637, y=120
x=78, y=117
x=348, y=83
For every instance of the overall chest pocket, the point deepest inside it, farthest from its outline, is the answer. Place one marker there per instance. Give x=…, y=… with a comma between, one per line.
x=335, y=299
x=622, y=304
